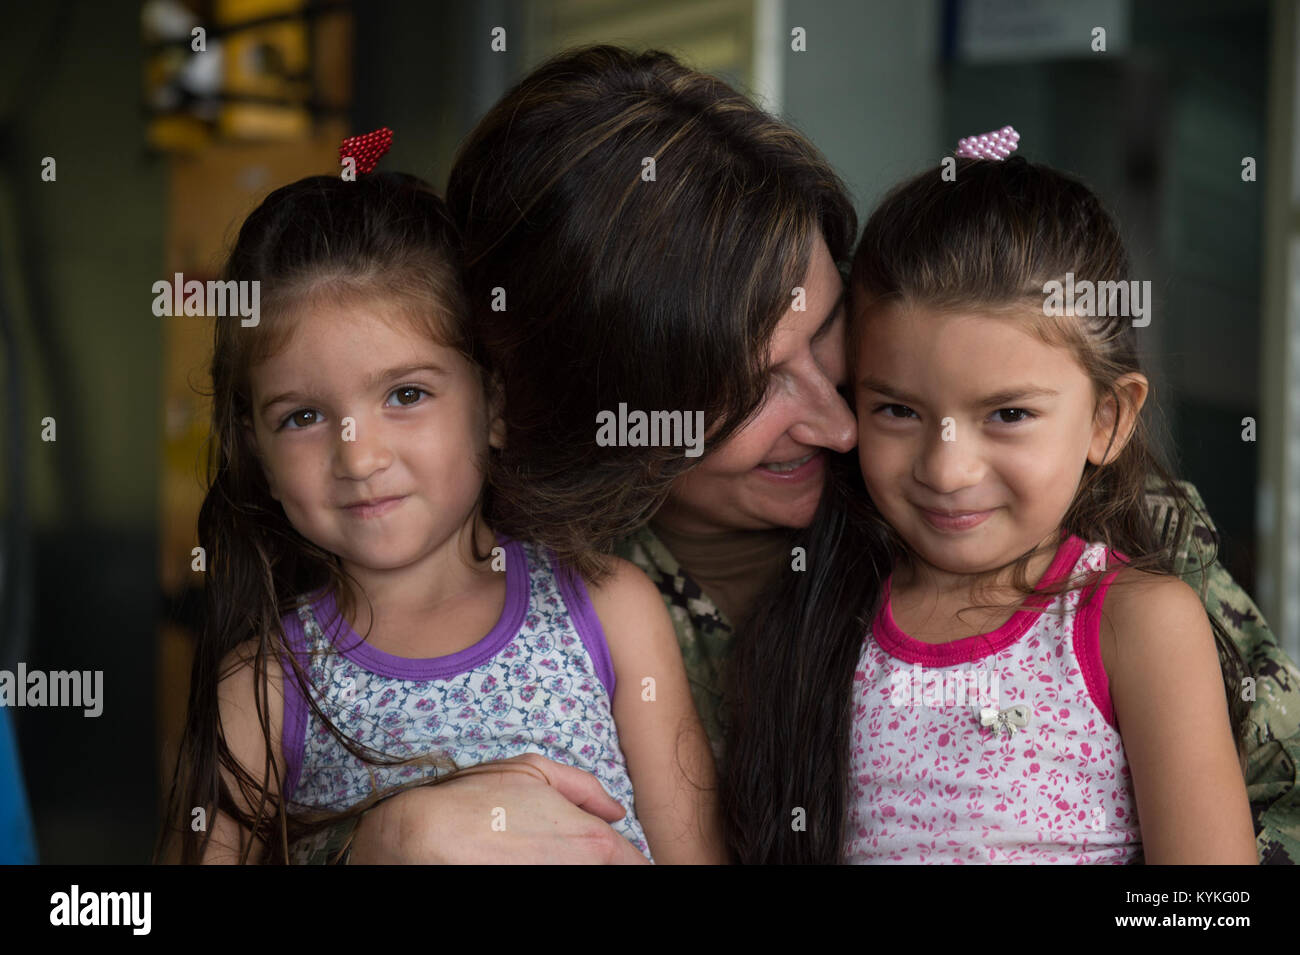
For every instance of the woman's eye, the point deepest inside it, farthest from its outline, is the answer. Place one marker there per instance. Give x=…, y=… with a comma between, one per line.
x=1013, y=415
x=407, y=396
x=897, y=411
x=295, y=421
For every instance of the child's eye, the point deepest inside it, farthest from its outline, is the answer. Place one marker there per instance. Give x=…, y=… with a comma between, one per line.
x=897, y=411
x=1013, y=415
x=294, y=421
x=408, y=392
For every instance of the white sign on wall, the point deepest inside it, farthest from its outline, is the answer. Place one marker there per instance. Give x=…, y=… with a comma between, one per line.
x=991, y=31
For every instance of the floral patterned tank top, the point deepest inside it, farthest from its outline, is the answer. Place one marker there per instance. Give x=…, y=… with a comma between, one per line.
x=1001, y=747
x=540, y=682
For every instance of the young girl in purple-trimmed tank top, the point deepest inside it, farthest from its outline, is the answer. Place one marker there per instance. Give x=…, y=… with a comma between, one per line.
x=367, y=630
x=1034, y=684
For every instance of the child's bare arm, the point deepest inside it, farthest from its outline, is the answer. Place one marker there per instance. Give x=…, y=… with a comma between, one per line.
x=668, y=754
x=1167, y=691
x=243, y=731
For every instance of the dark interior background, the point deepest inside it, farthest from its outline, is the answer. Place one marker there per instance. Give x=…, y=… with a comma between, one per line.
x=1159, y=130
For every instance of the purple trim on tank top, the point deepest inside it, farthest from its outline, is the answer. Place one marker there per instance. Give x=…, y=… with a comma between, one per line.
x=293, y=729
x=293, y=735
x=587, y=623
x=969, y=649
x=366, y=655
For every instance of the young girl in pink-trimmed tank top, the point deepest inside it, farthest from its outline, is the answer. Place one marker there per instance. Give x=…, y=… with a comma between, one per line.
x=1094, y=725
x=1034, y=684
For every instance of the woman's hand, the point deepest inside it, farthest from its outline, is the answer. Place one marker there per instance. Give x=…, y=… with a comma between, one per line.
x=565, y=822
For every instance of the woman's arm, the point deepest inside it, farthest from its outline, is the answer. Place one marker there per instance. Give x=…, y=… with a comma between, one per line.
x=1167, y=691
x=668, y=754
x=1273, y=738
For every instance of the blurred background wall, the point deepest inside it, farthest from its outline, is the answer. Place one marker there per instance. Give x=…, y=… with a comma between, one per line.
x=78, y=256
x=99, y=523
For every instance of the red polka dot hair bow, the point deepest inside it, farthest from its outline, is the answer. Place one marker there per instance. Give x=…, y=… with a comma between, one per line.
x=366, y=150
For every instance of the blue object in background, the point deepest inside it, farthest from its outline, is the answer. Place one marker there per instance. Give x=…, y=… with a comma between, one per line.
x=17, y=844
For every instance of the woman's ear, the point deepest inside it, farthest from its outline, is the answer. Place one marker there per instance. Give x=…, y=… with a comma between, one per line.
x=496, y=412
x=1131, y=391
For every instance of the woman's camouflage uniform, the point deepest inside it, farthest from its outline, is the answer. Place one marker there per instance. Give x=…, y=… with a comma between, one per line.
x=1272, y=746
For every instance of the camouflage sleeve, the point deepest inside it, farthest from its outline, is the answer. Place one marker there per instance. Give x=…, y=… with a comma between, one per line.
x=1273, y=719
x=331, y=846
x=703, y=633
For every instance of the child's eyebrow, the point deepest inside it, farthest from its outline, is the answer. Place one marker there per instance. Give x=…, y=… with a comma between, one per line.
x=1016, y=394
x=380, y=377
x=1007, y=396
x=371, y=382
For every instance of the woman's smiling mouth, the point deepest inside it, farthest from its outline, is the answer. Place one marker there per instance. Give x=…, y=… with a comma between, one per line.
x=793, y=470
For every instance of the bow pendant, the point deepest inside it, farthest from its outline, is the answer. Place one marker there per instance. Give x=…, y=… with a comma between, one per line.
x=1005, y=721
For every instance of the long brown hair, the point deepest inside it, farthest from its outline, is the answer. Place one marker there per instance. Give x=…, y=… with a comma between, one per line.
x=659, y=293
x=989, y=241
x=385, y=235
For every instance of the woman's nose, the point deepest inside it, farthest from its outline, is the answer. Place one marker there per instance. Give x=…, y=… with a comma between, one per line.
x=825, y=419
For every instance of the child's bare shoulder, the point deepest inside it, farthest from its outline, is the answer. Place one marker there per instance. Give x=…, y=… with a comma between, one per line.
x=1138, y=596
x=625, y=586
x=1148, y=619
x=238, y=695
x=237, y=673
x=631, y=610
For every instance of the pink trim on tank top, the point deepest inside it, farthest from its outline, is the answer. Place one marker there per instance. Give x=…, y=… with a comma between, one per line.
x=969, y=649
x=1087, y=644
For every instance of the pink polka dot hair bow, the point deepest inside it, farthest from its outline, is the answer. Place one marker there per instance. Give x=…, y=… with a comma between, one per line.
x=998, y=144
